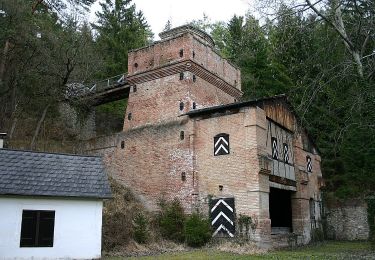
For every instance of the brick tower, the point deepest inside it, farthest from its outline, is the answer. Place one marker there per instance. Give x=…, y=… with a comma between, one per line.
x=185, y=136
x=179, y=73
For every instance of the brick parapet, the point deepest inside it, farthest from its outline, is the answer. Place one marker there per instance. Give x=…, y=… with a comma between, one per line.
x=166, y=53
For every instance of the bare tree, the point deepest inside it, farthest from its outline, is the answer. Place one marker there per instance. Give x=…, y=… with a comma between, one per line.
x=352, y=20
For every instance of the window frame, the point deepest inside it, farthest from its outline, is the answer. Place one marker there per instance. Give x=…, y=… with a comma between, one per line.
x=275, y=148
x=309, y=166
x=40, y=225
x=286, y=153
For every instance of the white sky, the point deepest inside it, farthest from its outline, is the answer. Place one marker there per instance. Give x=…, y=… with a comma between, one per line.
x=157, y=12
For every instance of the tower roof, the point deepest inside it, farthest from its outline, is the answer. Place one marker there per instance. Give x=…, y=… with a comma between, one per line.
x=187, y=29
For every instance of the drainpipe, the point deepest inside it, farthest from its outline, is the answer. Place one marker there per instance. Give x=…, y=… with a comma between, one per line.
x=2, y=139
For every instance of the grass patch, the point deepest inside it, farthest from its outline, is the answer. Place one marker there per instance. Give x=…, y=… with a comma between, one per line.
x=326, y=250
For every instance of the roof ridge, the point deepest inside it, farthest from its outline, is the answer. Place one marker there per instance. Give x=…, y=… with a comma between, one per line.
x=45, y=152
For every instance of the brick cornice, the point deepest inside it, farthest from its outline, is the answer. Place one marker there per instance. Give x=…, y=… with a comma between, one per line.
x=182, y=66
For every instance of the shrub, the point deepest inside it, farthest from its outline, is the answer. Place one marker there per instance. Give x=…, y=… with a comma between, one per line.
x=244, y=224
x=117, y=230
x=171, y=220
x=317, y=235
x=140, y=225
x=197, y=230
x=371, y=219
x=120, y=221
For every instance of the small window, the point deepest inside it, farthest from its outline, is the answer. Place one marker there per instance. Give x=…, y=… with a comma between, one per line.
x=308, y=164
x=275, y=151
x=181, y=106
x=183, y=176
x=194, y=105
x=235, y=82
x=193, y=54
x=136, y=65
x=194, y=78
x=221, y=187
x=182, y=135
x=37, y=228
x=135, y=88
x=286, y=152
x=181, y=53
x=130, y=116
x=181, y=75
x=122, y=144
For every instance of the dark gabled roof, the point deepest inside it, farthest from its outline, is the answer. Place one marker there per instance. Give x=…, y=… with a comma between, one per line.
x=222, y=108
x=49, y=174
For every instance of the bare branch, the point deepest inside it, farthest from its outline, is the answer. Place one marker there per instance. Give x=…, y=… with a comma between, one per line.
x=341, y=33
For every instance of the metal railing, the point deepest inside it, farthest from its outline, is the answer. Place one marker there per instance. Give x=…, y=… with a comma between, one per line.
x=75, y=90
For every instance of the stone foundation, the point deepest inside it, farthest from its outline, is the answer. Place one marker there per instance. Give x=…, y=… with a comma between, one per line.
x=347, y=220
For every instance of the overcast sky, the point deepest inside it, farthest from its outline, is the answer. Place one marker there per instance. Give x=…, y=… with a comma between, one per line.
x=157, y=12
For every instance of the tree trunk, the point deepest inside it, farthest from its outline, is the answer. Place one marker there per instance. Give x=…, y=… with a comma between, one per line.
x=13, y=127
x=2, y=65
x=13, y=98
x=338, y=25
x=352, y=49
x=36, y=133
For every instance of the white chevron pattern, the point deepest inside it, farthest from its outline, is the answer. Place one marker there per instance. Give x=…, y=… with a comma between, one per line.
x=222, y=227
x=221, y=147
x=218, y=203
x=221, y=139
x=225, y=216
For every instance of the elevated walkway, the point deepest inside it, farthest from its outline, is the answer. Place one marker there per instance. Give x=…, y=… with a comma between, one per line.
x=101, y=92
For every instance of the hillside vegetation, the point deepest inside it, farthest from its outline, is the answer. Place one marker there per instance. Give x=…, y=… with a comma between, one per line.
x=321, y=55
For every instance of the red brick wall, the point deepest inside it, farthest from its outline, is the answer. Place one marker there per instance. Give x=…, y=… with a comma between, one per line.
x=152, y=162
x=159, y=100
x=158, y=54
x=167, y=52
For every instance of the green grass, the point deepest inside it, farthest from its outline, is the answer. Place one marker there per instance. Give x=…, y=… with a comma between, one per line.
x=327, y=250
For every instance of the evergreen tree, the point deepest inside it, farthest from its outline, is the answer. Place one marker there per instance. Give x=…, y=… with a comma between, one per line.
x=167, y=26
x=120, y=29
x=247, y=46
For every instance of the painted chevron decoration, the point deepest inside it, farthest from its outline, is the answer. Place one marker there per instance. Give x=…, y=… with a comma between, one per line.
x=222, y=228
x=221, y=144
x=222, y=217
